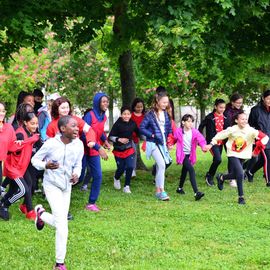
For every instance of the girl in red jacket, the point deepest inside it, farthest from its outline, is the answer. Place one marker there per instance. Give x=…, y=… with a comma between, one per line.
x=16, y=165
x=7, y=138
x=137, y=115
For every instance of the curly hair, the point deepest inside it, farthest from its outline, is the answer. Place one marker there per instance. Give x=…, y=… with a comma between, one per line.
x=56, y=104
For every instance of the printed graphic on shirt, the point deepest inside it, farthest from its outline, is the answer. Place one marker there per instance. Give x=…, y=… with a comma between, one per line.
x=239, y=144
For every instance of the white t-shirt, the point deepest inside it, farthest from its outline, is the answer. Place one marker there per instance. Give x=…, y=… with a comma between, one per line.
x=187, y=137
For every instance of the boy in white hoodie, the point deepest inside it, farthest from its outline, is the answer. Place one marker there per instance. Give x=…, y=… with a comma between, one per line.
x=61, y=157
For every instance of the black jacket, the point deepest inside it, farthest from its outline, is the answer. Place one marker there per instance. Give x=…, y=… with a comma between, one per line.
x=122, y=129
x=259, y=118
x=210, y=126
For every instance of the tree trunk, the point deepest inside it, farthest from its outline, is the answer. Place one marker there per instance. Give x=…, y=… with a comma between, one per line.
x=127, y=78
x=111, y=108
x=140, y=164
x=125, y=61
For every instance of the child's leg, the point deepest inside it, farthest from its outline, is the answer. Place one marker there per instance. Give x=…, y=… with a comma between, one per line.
x=191, y=171
x=236, y=173
x=95, y=166
x=216, y=151
x=160, y=169
x=59, y=203
x=16, y=193
x=121, y=166
x=183, y=176
x=130, y=166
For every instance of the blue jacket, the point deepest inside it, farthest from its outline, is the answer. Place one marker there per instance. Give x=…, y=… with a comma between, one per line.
x=150, y=126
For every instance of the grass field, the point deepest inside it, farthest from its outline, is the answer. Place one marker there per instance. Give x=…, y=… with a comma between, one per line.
x=135, y=231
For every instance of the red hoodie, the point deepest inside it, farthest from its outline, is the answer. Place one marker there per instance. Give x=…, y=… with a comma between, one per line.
x=7, y=138
x=52, y=129
x=17, y=162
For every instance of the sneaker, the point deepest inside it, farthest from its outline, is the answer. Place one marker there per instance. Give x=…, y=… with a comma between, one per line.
x=38, y=190
x=249, y=176
x=31, y=215
x=268, y=184
x=241, y=200
x=60, y=267
x=233, y=183
x=84, y=188
x=163, y=196
x=70, y=216
x=23, y=208
x=4, y=214
x=39, y=223
x=198, y=195
x=220, y=181
x=92, y=207
x=116, y=184
x=209, y=180
x=126, y=189
x=180, y=191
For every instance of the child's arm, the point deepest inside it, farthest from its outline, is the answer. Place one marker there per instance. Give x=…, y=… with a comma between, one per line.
x=224, y=134
x=262, y=140
x=201, y=141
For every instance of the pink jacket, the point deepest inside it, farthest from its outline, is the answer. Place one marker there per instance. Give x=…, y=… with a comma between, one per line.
x=197, y=139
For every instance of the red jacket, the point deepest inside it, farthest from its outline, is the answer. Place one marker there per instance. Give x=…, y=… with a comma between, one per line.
x=17, y=162
x=52, y=129
x=137, y=120
x=98, y=127
x=7, y=138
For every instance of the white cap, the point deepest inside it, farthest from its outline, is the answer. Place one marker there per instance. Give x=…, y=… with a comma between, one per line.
x=53, y=96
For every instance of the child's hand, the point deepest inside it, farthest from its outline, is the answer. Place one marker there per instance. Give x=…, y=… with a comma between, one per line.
x=107, y=145
x=207, y=147
x=123, y=140
x=91, y=144
x=102, y=153
x=74, y=179
x=170, y=146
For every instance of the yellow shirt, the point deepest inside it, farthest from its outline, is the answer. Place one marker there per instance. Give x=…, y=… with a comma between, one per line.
x=240, y=140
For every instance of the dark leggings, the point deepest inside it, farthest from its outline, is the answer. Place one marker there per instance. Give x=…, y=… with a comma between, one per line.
x=18, y=188
x=188, y=167
x=236, y=167
x=125, y=164
x=216, y=152
x=262, y=161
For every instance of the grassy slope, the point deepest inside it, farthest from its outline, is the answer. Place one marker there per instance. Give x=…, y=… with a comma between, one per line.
x=138, y=232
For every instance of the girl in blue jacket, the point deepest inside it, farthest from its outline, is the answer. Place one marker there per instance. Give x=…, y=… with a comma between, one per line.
x=156, y=126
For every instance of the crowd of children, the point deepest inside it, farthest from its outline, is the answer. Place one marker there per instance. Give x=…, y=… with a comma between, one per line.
x=52, y=143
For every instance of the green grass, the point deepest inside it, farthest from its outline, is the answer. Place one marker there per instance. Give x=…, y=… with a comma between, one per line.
x=138, y=232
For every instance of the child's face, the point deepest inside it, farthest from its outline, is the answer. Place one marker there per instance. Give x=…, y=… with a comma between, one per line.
x=104, y=104
x=63, y=109
x=32, y=125
x=29, y=100
x=138, y=108
x=237, y=104
x=242, y=120
x=126, y=115
x=2, y=112
x=163, y=103
x=187, y=124
x=266, y=101
x=220, y=108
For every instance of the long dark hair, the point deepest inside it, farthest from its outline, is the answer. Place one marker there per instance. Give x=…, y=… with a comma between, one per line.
x=135, y=102
x=217, y=102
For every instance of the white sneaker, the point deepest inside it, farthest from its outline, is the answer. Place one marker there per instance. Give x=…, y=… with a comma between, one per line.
x=233, y=183
x=133, y=173
x=116, y=184
x=126, y=189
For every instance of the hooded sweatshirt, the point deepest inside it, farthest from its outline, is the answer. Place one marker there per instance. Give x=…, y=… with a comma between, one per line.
x=69, y=156
x=96, y=119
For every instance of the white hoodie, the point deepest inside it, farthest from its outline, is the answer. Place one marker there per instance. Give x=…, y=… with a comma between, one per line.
x=69, y=157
